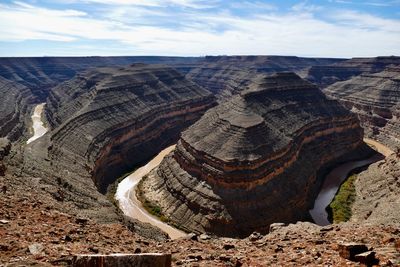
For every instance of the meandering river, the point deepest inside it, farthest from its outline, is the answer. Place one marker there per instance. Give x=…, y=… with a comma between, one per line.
x=132, y=207
x=335, y=178
x=38, y=126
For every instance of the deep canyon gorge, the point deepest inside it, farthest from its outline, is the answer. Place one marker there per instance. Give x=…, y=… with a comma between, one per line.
x=256, y=137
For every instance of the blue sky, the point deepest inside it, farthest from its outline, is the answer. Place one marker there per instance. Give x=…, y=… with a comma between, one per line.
x=330, y=28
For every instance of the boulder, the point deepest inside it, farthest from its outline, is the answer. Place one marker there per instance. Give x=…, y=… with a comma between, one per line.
x=350, y=250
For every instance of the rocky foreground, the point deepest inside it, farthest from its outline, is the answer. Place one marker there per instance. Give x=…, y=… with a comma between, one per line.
x=34, y=230
x=256, y=159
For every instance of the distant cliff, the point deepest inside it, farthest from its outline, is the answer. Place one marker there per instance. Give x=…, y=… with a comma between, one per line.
x=228, y=75
x=40, y=74
x=375, y=98
x=325, y=75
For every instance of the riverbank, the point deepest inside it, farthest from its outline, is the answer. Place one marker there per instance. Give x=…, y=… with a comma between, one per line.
x=337, y=176
x=132, y=207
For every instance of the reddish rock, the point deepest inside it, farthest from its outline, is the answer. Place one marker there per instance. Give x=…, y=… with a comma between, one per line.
x=350, y=250
x=137, y=260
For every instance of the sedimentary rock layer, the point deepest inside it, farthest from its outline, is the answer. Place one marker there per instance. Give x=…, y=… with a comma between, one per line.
x=255, y=159
x=228, y=75
x=42, y=73
x=344, y=70
x=375, y=98
x=14, y=108
x=377, y=193
x=111, y=119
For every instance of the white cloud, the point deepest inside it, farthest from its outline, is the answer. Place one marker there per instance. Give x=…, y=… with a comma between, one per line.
x=305, y=7
x=197, y=4
x=346, y=34
x=256, y=5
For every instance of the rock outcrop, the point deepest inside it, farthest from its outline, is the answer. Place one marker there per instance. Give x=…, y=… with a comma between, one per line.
x=108, y=120
x=377, y=193
x=5, y=147
x=40, y=74
x=228, y=75
x=14, y=108
x=375, y=98
x=255, y=159
x=344, y=70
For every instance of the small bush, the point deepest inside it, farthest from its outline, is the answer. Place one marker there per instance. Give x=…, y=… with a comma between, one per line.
x=339, y=209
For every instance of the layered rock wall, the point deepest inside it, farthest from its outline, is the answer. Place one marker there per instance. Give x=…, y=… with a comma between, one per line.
x=377, y=193
x=40, y=74
x=110, y=119
x=325, y=75
x=375, y=98
x=255, y=159
x=228, y=75
x=15, y=105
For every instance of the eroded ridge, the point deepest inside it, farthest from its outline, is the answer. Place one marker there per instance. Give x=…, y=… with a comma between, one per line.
x=110, y=119
x=255, y=159
x=375, y=99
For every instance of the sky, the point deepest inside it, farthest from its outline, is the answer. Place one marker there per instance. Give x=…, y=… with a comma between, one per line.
x=328, y=28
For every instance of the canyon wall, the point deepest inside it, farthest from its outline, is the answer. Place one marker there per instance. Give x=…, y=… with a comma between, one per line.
x=377, y=193
x=15, y=107
x=256, y=159
x=108, y=120
x=228, y=75
x=40, y=74
x=325, y=75
x=375, y=98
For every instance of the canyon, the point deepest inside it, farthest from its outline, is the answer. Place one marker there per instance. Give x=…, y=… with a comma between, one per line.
x=111, y=119
x=252, y=154
x=256, y=159
x=375, y=99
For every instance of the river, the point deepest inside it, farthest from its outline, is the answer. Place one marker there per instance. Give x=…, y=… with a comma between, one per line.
x=335, y=178
x=38, y=126
x=132, y=207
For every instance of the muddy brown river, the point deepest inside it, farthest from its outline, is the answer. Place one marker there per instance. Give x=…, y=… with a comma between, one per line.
x=335, y=178
x=38, y=126
x=132, y=207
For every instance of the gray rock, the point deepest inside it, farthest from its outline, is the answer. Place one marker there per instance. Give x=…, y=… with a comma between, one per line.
x=275, y=226
x=36, y=248
x=204, y=237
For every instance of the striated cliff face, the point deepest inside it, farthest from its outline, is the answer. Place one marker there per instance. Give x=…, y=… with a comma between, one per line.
x=14, y=108
x=377, y=193
x=228, y=75
x=40, y=74
x=325, y=75
x=255, y=159
x=110, y=119
x=375, y=98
